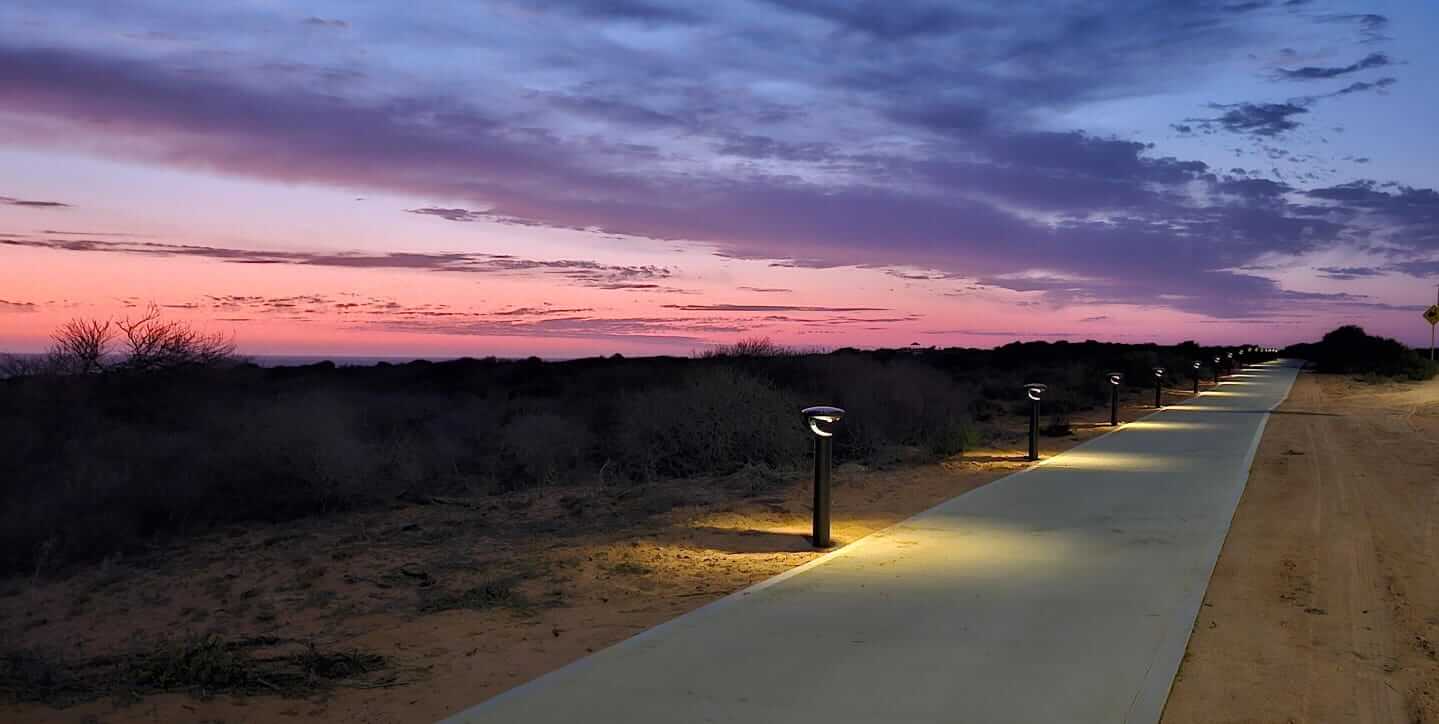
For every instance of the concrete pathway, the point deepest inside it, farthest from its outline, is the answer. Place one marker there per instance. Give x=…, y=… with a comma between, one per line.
x=1063, y=593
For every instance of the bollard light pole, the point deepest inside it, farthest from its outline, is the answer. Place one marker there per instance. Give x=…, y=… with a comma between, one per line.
x=1216, y=369
x=1035, y=392
x=1158, y=387
x=1229, y=363
x=1114, y=379
x=1196, y=377
x=822, y=422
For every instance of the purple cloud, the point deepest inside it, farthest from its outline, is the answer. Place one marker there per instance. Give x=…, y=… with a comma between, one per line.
x=583, y=272
x=7, y=306
x=325, y=22
x=1349, y=273
x=12, y=201
x=1257, y=119
x=633, y=143
x=1373, y=60
x=767, y=308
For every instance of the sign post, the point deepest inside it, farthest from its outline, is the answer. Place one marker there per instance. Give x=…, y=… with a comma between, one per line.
x=1431, y=315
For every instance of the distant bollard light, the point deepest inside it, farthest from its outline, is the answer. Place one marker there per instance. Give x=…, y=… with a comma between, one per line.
x=1114, y=379
x=1217, y=360
x=822, y=422
x=1158, y=387
x=1196, y=377
x=1035, y=392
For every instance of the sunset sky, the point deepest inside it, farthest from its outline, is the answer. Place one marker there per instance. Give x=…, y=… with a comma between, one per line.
x=563, y=178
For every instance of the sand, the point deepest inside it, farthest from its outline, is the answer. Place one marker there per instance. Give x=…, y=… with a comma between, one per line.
x=1324, y=606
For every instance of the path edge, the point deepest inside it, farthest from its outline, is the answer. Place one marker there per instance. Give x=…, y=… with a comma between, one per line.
x=1153, y=696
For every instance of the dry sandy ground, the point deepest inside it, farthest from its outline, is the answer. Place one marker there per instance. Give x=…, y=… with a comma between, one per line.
x=559, y=573
x=1324, y=606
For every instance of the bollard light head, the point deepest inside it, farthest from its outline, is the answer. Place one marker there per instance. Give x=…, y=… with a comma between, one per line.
x=1196, y=364
x=1216, y=359
x=823, y=419
x=1034, y=390
x=1230, y=355
x=1158, y=372
x=1115, y=378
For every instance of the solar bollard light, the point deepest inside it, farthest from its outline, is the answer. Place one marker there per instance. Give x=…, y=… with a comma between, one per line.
x=1158, y=386
x=1035, y=391
x=1196, y=377
x=1114, y=379
x=822, y=422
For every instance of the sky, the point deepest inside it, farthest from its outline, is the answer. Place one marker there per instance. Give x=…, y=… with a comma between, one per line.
x=569, y=177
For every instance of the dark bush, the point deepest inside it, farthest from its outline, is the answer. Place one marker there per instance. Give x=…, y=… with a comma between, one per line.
x=545, y=447
x=1351, y=350
x=900, y=402
x=1058, y=426
x=112, y=460
x=715, y=421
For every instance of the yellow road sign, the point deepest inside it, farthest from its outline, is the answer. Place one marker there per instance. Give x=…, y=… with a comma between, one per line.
x=1431, y=315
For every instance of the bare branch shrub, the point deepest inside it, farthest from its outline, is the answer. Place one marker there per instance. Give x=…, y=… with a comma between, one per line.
x=153, y=343
x=749, y=347
x=81, y=346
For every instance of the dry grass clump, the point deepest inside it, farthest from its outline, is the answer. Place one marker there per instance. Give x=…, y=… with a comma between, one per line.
x=499, y=593
x=201, y=665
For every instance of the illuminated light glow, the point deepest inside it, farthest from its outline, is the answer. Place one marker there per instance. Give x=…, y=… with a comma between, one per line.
x=968, y=545
x=814, y=427
x=1127, y=462
x=1166, y=425
x=980, y=546
x=1215, y=408
x=1222, y=393
x=820, y=416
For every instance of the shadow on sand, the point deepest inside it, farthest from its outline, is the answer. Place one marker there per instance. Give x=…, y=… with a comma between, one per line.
x=750, y=540
x=1016, y=458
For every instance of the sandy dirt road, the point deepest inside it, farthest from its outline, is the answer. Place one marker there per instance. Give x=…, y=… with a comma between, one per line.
x=1324, y=606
